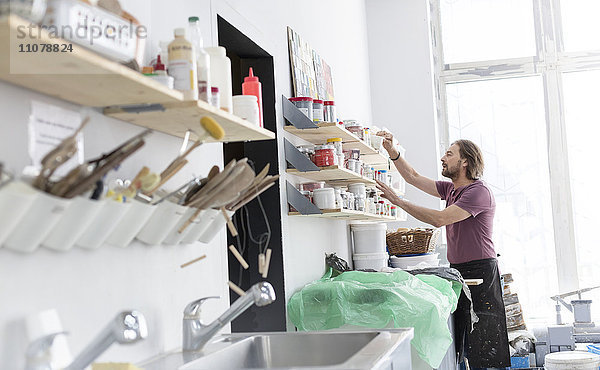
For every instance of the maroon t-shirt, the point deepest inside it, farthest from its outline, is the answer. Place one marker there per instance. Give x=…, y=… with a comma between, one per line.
x=471, y=238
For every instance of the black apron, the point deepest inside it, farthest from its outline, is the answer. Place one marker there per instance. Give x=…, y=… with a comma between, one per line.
x=487, y=344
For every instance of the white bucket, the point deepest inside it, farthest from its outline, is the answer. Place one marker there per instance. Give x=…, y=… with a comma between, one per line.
x=370, y=261
x=368, y=238
x=15, y=199
x=571, y=360
x=80, y=214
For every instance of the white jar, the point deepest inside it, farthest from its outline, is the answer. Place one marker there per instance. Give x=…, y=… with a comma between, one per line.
x=324, y=198
x=358, y=189
x=220, y=76
x=246, y=107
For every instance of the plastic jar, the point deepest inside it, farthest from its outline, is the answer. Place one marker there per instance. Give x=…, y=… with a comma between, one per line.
x=324, y=155
x=339, y=152
x=215, y=97
x=246, y=107
x=360, y=202
x=339, y=202
x=311, y=186
x=354, y=127
x=358, y=189
x=318, y=110
x=351, y=164
x=324, y=198
x=329, y=111
x=394, y=211
x=305, y=104
x=367, y=136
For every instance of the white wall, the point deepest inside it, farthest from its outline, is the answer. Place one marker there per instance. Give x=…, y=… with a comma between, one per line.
x=337, y=31
x=402, y=91
x=89, y=287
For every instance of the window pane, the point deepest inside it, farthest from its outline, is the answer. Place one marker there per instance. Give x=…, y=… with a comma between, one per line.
x=580, y=25
x=477, y=30
x=583, y=133
x=506, y=118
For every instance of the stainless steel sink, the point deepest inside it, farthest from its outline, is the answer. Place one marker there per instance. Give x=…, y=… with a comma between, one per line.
x=366, y=349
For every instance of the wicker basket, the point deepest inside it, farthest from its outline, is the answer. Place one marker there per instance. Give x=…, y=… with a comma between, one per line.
x=412, y=241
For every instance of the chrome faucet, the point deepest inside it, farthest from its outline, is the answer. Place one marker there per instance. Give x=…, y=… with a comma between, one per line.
x=127, y=327
x=196, y=334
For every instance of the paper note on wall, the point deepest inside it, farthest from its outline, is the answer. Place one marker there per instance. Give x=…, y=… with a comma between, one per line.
x=48, y=126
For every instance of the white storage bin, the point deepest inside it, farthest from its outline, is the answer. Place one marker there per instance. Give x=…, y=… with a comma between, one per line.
x=45, y=212
x=132, y=222
x=409, y=262
x=200, y=224
x=215, y=226
x=80, y=214
x=175, y=237
x=370, y=261
x=571, y=360
x=15, y=199
x=368, y=238
x=103, y=225
x=164, y=218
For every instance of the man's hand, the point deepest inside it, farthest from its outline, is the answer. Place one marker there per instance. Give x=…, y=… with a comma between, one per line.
x=388, y=141
x=389, y=194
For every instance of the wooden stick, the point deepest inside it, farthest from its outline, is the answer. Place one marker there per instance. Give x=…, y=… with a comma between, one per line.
x=193, y=261
x=261, y=263
x=239, y=257
x=236, y=288
x=168, y=176
x=230, y=224
x=267, y=261
x=189, y=221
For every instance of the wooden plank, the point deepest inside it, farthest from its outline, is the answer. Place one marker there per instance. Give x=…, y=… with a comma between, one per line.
x=81, y=76
x=348, y=215
x=176, y=118
x=474, y=281
x=333, y=175
x=328, y=130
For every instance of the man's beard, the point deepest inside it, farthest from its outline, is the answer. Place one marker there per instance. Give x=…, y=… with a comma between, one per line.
x=451, y=173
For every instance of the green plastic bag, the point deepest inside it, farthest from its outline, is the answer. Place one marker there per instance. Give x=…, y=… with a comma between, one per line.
x=379, y=300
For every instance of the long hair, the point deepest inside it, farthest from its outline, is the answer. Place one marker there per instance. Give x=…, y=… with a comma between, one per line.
x=470, y=151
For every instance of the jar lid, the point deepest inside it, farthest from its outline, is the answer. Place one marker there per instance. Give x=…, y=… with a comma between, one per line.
x=352, y=124
x=301, y=98
x=214, y=89
x=317, y=101
x=323, y=190
x=329, y=102
x=324, y=147
x=383, y=171
x=334, y=140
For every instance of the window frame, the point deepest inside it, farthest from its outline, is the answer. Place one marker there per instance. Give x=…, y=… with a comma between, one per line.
x=550, y=63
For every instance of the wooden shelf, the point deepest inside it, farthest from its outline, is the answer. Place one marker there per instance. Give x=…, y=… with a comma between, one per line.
x=81, y=76
x=176, y=118
x=334, y=175
x=86, y=78
x=349, y=215
x=327, y=130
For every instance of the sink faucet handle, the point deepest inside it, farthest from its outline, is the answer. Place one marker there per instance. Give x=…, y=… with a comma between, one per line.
x=192, y=310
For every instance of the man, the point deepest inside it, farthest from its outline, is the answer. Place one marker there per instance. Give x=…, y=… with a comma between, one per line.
x=468, y=217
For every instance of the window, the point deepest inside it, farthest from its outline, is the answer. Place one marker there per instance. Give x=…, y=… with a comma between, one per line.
x=525, y=92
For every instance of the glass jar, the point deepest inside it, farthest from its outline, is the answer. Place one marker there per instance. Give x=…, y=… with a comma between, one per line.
x=394, y=211
x=371, y=208
x=310, y=186
x=305, y=104
x=354, y=127
x=351, y=164
x=350, y=204
x=360, y=202
x=318, y=111
x=329, y=111
x=324, y=155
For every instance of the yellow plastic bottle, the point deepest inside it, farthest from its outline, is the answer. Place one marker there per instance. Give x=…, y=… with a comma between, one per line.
x=182, y=65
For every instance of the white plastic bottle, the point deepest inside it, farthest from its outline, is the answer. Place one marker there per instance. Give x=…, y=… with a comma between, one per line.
x=220, y=75
x=182, y=65
x=202, y=58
